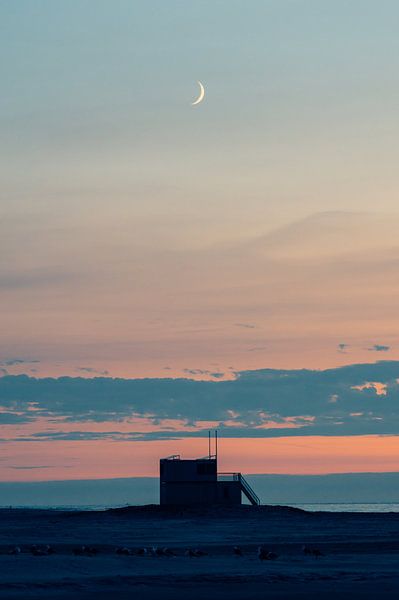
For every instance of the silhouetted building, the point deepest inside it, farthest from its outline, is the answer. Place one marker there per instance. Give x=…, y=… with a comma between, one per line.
x=197, y=481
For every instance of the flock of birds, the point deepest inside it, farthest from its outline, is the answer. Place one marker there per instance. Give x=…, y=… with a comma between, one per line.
x=263, y=553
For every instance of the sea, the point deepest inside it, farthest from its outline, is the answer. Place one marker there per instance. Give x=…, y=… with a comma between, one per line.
x=379, y=507
x=350, y=507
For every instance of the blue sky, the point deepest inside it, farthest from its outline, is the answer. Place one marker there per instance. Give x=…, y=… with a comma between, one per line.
x=301, y=107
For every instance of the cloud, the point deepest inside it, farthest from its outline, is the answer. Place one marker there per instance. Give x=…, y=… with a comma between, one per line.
x=342, y=348
x=29, y=468
x=10, y=362
x=78, y=435
x=92, y=370
x=196, y=372
x=329, y=234
x=12, y=418
x=379, y=348
x=257, y=348
x=246, y=325
x=36, y=278
x=261, y=403
x=215, y=374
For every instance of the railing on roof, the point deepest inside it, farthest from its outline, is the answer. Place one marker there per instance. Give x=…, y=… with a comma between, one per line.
x=177, y=457
x=229, y=476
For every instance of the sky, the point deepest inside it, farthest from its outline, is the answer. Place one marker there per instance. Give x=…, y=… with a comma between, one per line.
x=143, y=237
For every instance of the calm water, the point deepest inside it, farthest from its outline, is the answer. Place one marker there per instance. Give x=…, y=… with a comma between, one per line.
x=354, y=507
x=324, y=507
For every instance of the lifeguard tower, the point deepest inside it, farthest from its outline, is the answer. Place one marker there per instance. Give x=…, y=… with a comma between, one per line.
x=197, y=481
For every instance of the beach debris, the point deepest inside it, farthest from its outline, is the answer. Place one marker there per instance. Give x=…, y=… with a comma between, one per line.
x=265, y=554
x=309, y=551
x=15, y=550
x=141, y=551
x=237, y=551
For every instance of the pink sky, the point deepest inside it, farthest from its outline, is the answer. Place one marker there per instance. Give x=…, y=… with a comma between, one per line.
x=103, y=459
x=135, y=304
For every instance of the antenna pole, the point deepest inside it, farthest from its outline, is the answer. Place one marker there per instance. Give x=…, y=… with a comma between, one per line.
x=209, y=444
x=216, y=443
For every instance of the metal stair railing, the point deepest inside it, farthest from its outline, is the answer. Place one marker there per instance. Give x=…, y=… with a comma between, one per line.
x=248, y=491
x=244, y=485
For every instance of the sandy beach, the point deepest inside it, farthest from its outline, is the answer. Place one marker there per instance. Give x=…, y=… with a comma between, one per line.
x=359, y=553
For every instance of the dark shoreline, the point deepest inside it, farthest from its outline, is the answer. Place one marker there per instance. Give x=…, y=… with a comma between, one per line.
x=217, y=511
x=357, y=553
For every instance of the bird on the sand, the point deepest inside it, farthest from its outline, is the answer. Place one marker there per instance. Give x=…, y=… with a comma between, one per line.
x=237, y=551
x=316, y=552
x=265, y=554
x=41, y=550
x=195, y=552
x=123, y=550
x=85, y=551
x=36, y=551
x=16, y=550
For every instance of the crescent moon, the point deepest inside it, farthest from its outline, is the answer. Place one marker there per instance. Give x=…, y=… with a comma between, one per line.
x=201, y=94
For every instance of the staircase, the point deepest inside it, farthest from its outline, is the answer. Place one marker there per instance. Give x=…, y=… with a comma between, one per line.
x=248, y=491
x=244, y=486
